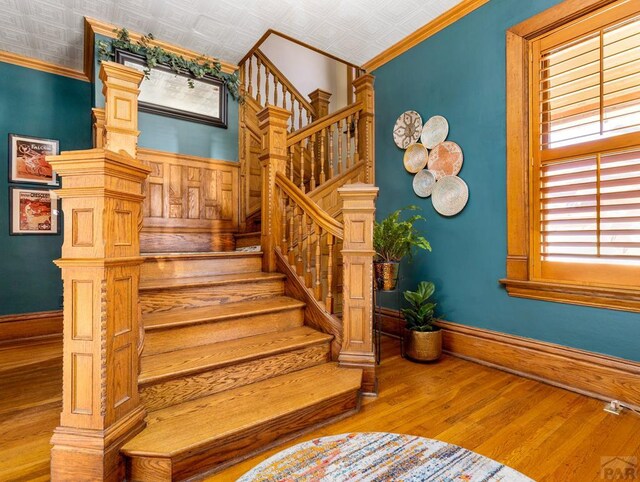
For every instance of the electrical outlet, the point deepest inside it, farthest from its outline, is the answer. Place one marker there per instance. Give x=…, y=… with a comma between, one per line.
x=613, y=407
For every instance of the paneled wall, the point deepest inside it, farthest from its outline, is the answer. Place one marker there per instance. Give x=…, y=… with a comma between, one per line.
x=191, y=203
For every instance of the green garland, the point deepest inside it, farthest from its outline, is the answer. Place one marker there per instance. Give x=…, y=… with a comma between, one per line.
x=155, y=55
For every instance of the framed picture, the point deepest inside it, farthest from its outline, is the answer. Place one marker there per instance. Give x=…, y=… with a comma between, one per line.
x=27, y=161
x=169, y=94
x=33, y=211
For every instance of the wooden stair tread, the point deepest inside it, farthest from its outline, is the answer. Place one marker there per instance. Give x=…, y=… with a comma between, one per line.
x=216, y=355
x=196, y=424
x=240, y=309
x=202, y=255
x=165, y=283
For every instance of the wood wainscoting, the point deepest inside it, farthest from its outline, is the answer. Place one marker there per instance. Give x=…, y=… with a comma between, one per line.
x=30, y=326
x=593, y=374
x=191, y=203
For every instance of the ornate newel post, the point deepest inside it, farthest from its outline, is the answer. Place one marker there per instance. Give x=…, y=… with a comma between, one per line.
x=366, y=126
x=357, y=287
x=102, y=202
x=320, y=102
x=273, y=125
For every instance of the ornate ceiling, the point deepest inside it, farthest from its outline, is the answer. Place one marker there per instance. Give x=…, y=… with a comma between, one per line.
x=354, y=30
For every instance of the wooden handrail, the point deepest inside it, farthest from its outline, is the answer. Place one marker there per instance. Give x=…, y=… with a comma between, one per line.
x=320, y=124
x=285, y=81
x=320, y=217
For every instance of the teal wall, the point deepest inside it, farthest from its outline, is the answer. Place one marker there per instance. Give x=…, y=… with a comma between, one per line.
x=460, y=74
x=42, y=105
x=184, y=137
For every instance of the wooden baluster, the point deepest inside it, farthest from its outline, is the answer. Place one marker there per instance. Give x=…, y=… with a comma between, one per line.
x=299, y=115
x=283, y=219
x=293, y=113
x=301, y=151
x=275, y=90
x=284, y=97
x=309, y=118
x=339, y=130
x=329, y=299
x=330, y=132
x=258, y=69
x=291, y=163
x=356, y=157
x=318, y=284
x=308, y=275
x=266, y=85
x=322, y=139
x=250, y=87
x=311, y=144
x=292, y=216
x=299, y=258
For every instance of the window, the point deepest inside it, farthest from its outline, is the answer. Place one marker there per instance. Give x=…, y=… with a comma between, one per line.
x=573, y=115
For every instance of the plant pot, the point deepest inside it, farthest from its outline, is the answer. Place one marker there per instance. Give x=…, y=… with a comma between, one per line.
x=386, y=274
x=423, y=345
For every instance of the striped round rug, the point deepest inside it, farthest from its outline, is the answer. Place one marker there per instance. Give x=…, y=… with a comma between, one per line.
x=380, y=457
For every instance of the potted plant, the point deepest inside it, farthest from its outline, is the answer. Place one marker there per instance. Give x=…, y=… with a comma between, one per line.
x=424, y=339
x=394, y=239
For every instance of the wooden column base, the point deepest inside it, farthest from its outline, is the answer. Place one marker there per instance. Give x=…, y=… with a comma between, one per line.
x=367, y=363
x=87, y=455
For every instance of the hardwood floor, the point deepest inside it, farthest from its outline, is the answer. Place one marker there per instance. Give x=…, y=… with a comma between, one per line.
x=545, y=432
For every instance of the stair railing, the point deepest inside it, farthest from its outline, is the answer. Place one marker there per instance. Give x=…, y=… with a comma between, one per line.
x=301, y=239
x=334, y=144
x=264, y=82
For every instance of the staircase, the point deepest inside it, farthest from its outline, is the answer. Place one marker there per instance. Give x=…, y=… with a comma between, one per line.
x=228, y=366
x=178, y=364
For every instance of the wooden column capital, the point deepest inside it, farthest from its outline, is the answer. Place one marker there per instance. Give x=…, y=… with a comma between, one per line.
x=120, y=89
x=357, y=293
x=320, y=102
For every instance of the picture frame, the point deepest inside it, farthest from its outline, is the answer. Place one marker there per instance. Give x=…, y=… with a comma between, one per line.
x=33, y=211
x=27, y=164
x=166, y=93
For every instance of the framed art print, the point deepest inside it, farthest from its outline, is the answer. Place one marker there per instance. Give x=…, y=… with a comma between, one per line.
x=32, y=211
x=27, y=163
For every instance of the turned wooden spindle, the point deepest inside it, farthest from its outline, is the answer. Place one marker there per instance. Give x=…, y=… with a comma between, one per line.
x=308, y=275
x=284, y=96
x=311, y=148
x=330, y=131
x=329, y=299
x=347, y=129
x=318, y=278
x=275, y=90
x=292, y=216
x=266, y=85
x=301, y=151
x=283, y=219
x=250, y=85
x=355, y=138
x=299, y=258
x=291, y=163
x=339, y=131
x=299, y=115
x=292, y=121
x=322, y=140
x=258, y=69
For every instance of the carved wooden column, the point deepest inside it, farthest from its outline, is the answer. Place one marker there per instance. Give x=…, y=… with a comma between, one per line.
x=357, y=286
x=366, y=126
x=320, y=102
x=273, y=123
x=102, y=204
x=97, y=126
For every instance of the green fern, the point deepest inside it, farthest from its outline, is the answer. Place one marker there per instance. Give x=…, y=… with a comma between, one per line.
x=394, y=239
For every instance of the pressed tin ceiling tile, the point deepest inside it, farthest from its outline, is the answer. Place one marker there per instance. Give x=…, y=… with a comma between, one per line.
x=354, y=30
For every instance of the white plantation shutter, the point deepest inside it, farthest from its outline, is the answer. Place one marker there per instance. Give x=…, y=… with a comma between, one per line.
x=586, y=144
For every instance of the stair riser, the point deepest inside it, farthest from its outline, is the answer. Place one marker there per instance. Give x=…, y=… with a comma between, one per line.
x=250, y=441
x=187, y=268
x=168, y=299
x=164, y=394
x=224, y=330
x=244, y=241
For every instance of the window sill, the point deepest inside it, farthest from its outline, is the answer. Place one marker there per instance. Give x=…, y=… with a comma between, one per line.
x=596, y=296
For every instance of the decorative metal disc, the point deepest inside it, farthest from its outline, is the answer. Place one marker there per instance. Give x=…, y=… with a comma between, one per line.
x=445, y=159
x=435, y=131
x=415, y=158
x=450, y=195
x=423, y=183
x=407, y=129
